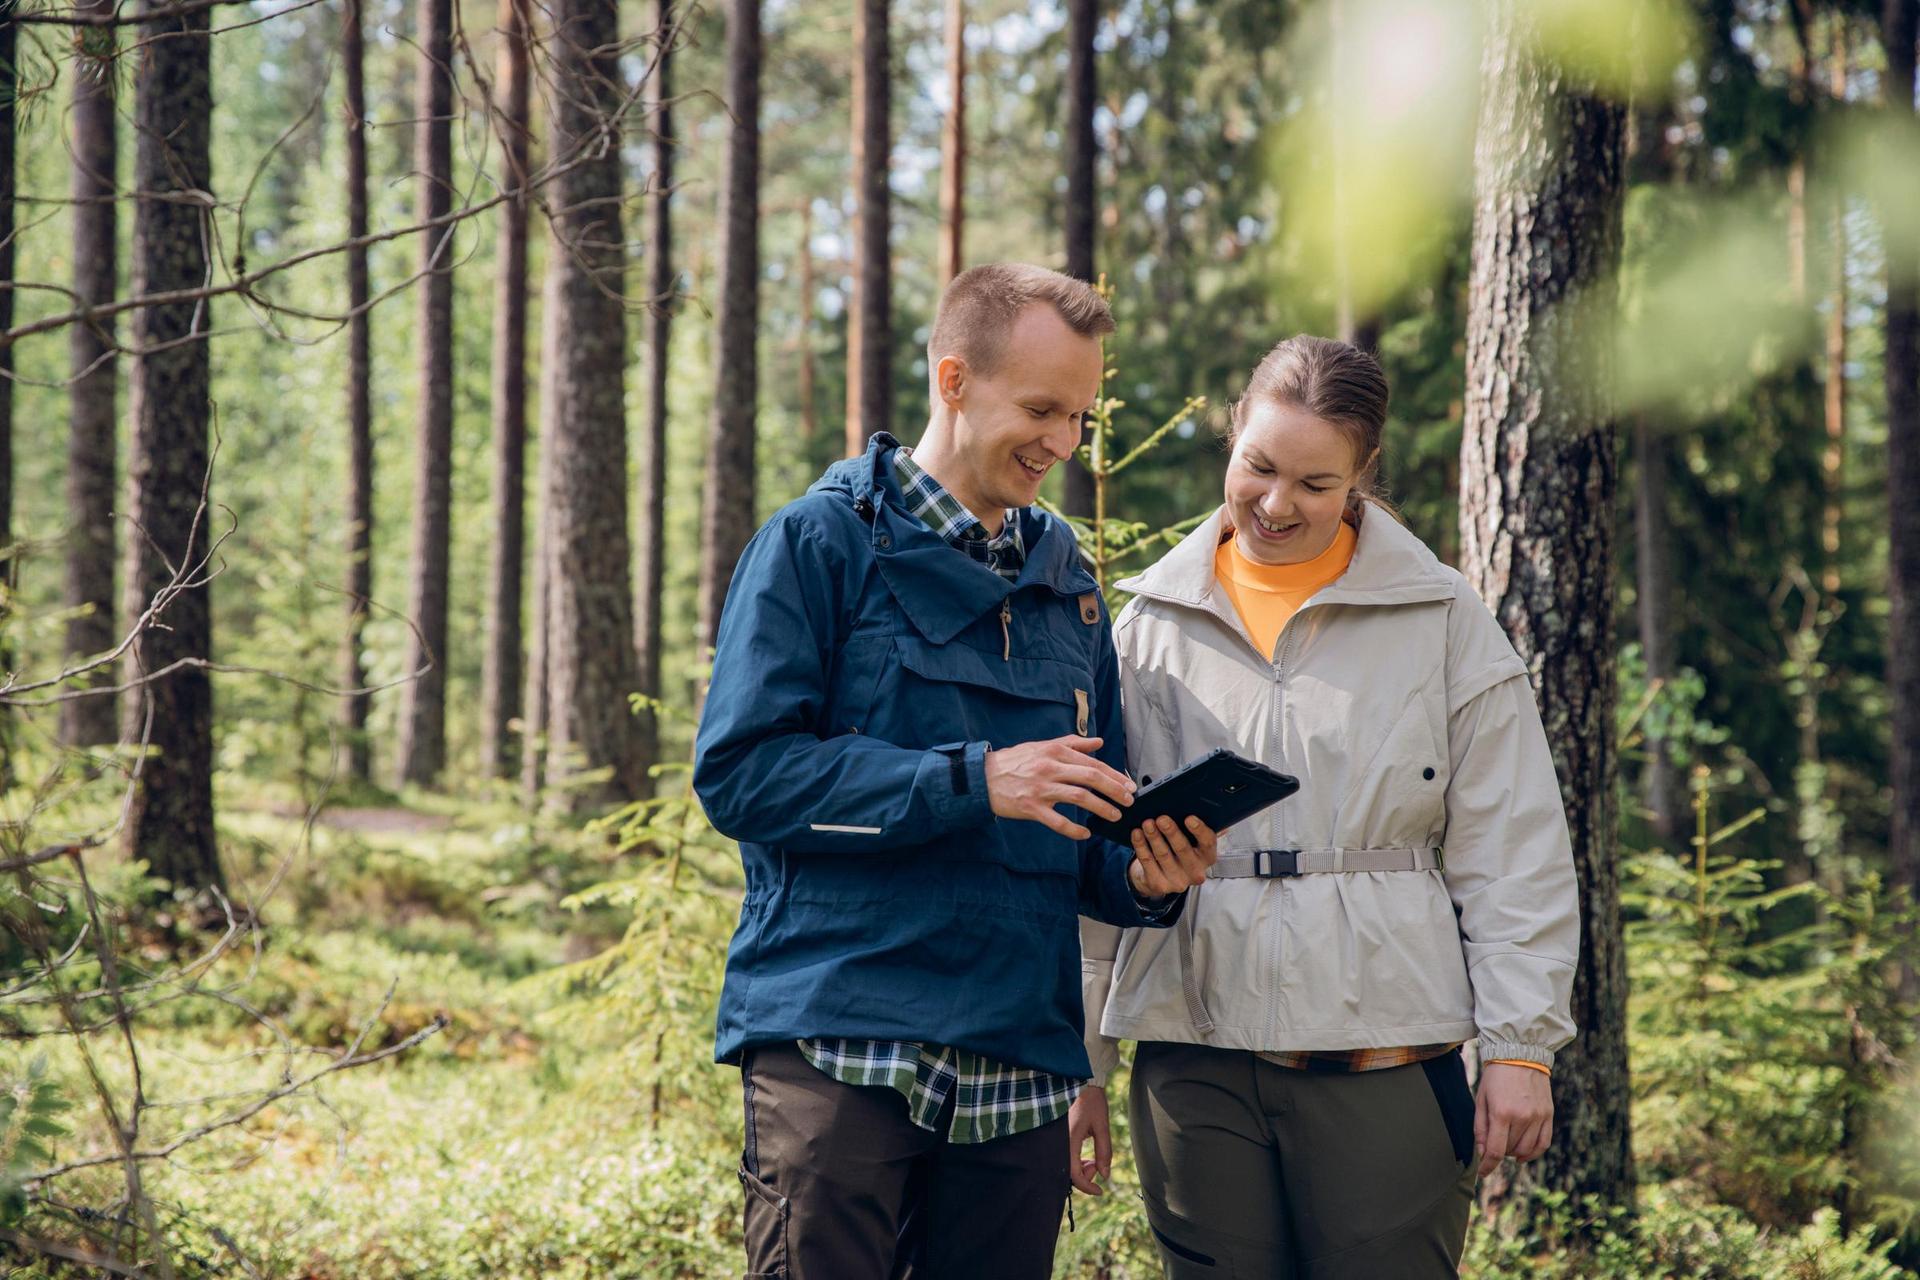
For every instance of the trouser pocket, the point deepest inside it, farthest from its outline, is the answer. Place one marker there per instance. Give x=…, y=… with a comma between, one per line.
x=765, y=1228
x=1447, y=1076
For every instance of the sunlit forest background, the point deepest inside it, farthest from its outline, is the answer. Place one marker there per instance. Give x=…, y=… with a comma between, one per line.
x=390, y=387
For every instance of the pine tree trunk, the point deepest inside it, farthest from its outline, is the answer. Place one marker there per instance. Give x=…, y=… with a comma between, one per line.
x=500, y=675
x=170, y=824
x=590, y=657
x=533, y=744
x=869, y=327
x=1653, y=608
x=1832, y=458
x=809, y=411
x=1082, y=21
x=728, y=515
x=647, y=602
x=423, y=709
x=9, y=569
x=91, y=444
x=1900, y=20
x=359, y=399
x=1536, y=509
x=953, y=147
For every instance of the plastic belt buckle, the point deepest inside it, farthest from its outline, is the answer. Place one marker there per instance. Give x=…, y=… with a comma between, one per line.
x=1274, y=864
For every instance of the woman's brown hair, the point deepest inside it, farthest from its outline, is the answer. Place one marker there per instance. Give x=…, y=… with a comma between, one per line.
x=1334, y=381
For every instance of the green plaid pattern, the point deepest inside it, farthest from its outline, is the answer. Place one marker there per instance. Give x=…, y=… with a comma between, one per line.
x=941, y=512
x=989, y=1100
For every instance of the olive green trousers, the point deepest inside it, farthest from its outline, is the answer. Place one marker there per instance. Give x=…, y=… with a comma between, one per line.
x=1262, y=1172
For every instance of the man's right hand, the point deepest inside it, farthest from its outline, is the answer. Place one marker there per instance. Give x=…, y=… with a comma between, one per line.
x=1087, y=1118
x=1029, y=780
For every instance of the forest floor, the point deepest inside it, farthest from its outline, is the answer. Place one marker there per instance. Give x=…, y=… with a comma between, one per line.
x=568, y=1121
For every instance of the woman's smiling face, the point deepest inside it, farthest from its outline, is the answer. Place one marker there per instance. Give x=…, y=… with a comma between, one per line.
x=1287, y=483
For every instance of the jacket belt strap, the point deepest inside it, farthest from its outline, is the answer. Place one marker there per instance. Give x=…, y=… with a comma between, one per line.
x=1268, y=864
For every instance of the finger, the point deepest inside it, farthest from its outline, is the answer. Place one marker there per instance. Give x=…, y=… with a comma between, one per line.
x=1499, y=1143
x=1480, y=1118
x=1186, y=862
x=1080, y=743
x=1063, y=793
x=1151, y=881
x=1053, y=820
x=1081, y=1172
x=1205, y=838
x=1114, y=785
x=1539, y=1139
x=1103, y=1149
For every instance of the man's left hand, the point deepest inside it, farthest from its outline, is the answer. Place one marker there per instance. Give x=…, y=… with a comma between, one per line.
x=1166, y=860
x=1512, y=1115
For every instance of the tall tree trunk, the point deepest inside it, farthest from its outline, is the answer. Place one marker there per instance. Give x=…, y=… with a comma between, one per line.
x=869, y=327
x=809, y=410
x=9, y=570
x=359, y=399
x=171, y=820
x=1082, y=21
x=533, y=745
x=1833, y=457
x=1654, y=605
x=953, y=147
x=1536, y=508
x=90, y=360
x=423, y=708
x=590, y=655
x=727, y=519
x=1900, y=19
x=500, y=674
x=647, y=603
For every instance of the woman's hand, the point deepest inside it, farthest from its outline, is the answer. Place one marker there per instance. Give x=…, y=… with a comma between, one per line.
x=1513, y=1114
x=1087, y=1118
x=1165, y=861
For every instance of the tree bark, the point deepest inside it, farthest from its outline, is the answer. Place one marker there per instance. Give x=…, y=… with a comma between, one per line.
x=170, y=824
x=500, y=675
x=869, y=327
x=1653, y=609
x=953, y=147
x=359, y=399
x=91, y=444
x=809, y=411
x=727, y=518
x=647, y=602
x=1833, y=457
x=1082, y=20
x=590, y=656
x=423, y=709
x=1536, y=508
x=1900, y=18
x=9, y=569
x=533, y=745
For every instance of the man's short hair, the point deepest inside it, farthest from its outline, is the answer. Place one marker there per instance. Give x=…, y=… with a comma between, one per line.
x=978, y=309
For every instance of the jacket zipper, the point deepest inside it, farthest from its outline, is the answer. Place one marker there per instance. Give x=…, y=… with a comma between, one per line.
x=1006, y=631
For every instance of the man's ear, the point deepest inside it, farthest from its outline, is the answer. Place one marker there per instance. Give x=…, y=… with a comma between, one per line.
x=949, y=379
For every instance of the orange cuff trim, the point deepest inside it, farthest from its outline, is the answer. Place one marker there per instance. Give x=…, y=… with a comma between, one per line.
x=1541, y=1067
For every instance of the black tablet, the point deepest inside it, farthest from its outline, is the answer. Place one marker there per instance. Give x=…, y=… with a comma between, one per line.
x=1220, y=788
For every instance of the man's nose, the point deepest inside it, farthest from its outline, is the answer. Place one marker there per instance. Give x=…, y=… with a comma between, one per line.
x=1062, y=442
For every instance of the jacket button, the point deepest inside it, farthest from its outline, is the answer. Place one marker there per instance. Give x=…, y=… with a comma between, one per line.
x=884, y=541
x=1427, y=773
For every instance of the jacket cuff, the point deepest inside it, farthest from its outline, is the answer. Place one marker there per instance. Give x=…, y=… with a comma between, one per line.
x=1493, y=1050
x=961, y=796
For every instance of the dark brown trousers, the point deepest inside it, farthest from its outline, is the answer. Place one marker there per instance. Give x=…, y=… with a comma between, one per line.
x=840, y=1185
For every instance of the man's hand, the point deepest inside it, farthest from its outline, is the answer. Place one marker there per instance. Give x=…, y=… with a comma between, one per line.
x=1513, y=1115
x=1027, y=781
x=1087, y=1118
x=1165, y=861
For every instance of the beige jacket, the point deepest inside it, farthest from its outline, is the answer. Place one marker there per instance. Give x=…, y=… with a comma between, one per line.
x=1399, y=703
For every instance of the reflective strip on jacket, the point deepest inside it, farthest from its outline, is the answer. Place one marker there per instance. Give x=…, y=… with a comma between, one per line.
x=1402, y=707
x=862, y=671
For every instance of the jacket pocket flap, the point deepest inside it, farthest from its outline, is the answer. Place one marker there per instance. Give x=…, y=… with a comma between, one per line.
x=1018, y=677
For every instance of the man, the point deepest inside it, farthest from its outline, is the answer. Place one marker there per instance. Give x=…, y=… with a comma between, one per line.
x=914, y=696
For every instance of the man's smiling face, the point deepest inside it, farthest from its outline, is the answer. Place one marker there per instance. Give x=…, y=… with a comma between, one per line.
x=1016, y=423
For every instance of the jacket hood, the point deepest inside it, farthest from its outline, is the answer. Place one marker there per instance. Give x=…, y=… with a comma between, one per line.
x=1390, y=566
x=943, y=593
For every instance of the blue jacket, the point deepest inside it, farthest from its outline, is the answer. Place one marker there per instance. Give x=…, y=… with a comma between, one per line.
x=863, y=669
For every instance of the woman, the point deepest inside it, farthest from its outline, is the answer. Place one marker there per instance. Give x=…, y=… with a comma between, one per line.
x=1299, y=1104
